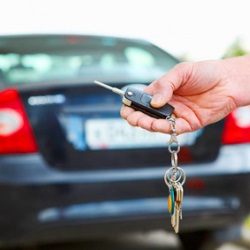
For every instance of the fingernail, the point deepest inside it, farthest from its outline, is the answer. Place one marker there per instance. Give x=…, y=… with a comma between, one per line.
x=156, y=99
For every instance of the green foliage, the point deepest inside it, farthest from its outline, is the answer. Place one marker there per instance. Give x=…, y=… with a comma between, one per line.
x=236, y=49
x=247, y=222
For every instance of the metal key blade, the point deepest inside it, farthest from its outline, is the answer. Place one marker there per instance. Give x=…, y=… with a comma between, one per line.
x=177, y=217
x=113, y=89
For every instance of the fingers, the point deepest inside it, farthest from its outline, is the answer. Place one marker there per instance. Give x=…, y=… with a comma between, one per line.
x=163, y=126
x=163, y=88
x=137, y=118
x=162, y=91
x=126, y=111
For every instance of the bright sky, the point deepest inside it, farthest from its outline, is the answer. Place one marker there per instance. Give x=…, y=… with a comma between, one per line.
x=197, y=29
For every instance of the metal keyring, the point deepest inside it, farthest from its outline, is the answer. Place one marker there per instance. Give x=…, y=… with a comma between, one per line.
x=174, y=170
x=175, y=176
x=182, y=175
x=168, y=179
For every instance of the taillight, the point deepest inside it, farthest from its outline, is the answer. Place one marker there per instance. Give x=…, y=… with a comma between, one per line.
x=195, y=184
x=15, y=132
x=237, y=127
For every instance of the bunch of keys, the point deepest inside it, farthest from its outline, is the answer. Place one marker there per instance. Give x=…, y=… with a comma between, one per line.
x=174, y=177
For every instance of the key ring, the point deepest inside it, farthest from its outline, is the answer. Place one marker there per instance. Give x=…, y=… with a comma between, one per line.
x=174, y=178
x=169, y=180
x=171, y=173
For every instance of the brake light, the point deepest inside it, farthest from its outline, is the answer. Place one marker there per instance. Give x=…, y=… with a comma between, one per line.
x=15, y=132
x=195, y=184
x=237, y=127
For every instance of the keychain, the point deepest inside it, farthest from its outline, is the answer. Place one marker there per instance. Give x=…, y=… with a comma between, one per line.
x=140, y=101
x=174, y=177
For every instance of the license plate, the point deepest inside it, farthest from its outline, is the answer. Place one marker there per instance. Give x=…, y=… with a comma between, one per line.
x=116, y=133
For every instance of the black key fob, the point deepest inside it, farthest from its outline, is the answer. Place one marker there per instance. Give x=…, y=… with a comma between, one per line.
x=140, y=101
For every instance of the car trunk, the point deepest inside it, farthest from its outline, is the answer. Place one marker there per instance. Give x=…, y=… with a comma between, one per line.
x=78, y=127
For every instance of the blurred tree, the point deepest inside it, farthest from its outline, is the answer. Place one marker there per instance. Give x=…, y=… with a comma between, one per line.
x=236, y=49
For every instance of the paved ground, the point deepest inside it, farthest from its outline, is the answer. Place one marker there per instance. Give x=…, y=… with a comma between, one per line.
x=157, y=240
x=147, y=241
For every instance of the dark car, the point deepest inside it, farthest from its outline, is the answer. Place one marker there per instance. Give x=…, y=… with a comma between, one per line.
x=71, y=168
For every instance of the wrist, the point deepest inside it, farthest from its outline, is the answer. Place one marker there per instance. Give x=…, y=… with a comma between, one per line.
x=238, y=77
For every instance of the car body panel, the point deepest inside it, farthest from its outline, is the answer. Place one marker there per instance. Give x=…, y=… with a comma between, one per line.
x=52, y=198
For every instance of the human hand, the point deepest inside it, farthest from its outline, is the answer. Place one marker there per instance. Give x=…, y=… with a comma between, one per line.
x=201, y=93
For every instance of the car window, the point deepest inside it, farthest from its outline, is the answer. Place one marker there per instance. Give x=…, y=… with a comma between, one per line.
x=67, y=59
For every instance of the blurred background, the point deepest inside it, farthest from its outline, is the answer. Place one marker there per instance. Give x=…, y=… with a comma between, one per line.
x=190, y=30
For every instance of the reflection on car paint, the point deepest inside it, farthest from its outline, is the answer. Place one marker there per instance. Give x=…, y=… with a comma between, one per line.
x=121, y=208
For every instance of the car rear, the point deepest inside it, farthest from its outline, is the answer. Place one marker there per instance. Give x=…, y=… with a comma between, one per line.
x=71, y=167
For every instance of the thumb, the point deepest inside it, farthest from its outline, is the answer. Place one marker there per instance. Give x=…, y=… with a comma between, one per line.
x=162, y=93
x=163, y=88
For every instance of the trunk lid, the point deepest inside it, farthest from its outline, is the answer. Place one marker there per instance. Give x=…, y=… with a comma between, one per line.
x=78, y=127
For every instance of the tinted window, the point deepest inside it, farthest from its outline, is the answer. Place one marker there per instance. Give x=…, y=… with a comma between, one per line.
x=80, y=58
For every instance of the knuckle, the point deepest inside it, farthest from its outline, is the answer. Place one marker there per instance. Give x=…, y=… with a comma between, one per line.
x=132, y=121
x=145, y=123
x=160, y=85
x=183, y=66
x=184, y=70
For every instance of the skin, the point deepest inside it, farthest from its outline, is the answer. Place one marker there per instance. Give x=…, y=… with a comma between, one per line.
x=201, y=93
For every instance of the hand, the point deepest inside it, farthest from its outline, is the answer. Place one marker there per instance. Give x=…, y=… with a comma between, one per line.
x=202, y=93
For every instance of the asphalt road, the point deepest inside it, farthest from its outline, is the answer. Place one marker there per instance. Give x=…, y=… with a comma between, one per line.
x=158, y=240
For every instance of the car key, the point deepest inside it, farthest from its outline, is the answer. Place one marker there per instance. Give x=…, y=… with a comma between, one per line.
x=140, y=101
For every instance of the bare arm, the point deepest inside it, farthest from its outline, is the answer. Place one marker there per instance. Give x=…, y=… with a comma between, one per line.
x=202, y=93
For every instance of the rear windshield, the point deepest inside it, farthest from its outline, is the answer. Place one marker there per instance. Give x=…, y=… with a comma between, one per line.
x=33, y=59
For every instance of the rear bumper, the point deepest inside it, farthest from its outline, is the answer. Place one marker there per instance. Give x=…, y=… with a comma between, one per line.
x=37, y=198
